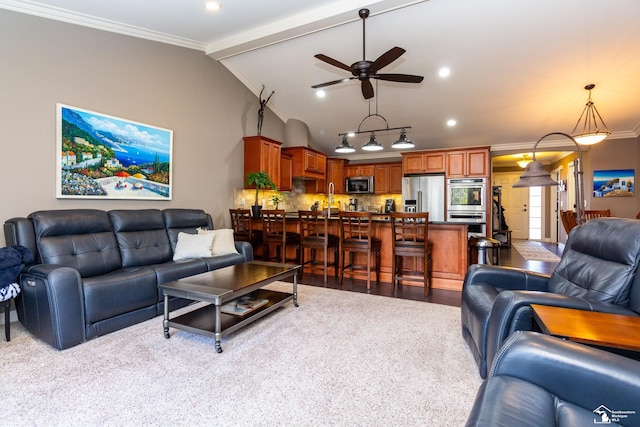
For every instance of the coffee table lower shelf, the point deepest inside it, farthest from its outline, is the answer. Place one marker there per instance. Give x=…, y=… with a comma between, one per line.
x=202, y=321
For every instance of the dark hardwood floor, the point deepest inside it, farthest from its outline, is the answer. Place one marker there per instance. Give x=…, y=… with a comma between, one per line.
x=508, y=257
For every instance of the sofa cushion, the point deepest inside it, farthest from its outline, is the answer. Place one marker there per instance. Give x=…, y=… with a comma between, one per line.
x=597, y=267
x=82, y=239
x=141, y=236
x=119, y=292
x=186, y=221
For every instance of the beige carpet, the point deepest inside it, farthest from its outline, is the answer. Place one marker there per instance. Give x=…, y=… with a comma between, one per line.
x=341, y=358
x=533, y=251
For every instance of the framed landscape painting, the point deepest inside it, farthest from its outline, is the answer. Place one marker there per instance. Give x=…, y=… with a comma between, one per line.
x=613, y=183
x=105, y=157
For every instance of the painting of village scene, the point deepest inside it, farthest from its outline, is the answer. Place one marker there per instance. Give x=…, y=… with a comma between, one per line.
x=613, y=183
x=106, y=157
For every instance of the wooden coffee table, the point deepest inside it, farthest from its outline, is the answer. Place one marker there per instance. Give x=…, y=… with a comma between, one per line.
x=589, y=327
x=221, y=286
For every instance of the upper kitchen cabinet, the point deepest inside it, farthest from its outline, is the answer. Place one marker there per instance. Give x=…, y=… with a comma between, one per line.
x=286, y=172
x=388, y=178
x=307, y=163
x=360, y=170
x=467, y=163
x=336, y=174
x=262, y=153
x=395, y=178
x=423, y=162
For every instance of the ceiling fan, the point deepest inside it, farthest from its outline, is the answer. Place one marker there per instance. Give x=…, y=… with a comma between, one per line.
x=365, y=70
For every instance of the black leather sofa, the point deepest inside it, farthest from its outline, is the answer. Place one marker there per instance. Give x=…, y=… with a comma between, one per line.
x=537, y=381
x=598, y=271
x=97, y=271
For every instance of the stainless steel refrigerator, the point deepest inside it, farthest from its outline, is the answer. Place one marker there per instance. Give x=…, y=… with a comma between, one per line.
x=424, y=194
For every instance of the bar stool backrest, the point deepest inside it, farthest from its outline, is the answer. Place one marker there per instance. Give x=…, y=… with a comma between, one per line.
x=355, y=226
x=410, y=229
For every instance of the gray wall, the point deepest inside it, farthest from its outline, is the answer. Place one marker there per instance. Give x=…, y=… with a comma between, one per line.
x=44, y=62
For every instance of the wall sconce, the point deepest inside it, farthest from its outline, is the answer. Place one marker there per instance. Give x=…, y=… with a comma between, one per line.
x=535, y=175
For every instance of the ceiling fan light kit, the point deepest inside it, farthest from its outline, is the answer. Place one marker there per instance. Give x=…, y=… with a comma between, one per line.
x=590, y=132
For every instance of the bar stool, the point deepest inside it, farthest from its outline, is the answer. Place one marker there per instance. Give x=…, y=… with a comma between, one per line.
x=356, y=236
x=274, y=233
x=410, y=238
x=243, y=228
x=314, y=235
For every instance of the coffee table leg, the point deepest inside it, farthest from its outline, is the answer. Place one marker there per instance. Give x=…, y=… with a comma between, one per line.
x=295, y=290
x=218, y=328
x=165, y=322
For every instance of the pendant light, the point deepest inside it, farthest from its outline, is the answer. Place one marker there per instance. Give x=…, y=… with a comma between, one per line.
x=590, y=132
x=524, y=161
x=373, y=144
x=403, y=141
x=344, y=146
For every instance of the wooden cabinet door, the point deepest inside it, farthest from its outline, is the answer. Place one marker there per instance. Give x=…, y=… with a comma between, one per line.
x=286, y=173
x=261, y=153
x=273, y=163
x=395, y=178
x=433, y=162
x=478, y=163
x=412, y=163
x=367, y=170
x=456, y=164
x=310, y=161
x=381, y=179
x=336, y=174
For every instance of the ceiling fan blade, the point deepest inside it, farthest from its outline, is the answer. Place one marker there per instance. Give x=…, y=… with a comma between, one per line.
x=387, y=58
x=346, y=79
x=367, y=89
x=402, y=78
x=333, y=62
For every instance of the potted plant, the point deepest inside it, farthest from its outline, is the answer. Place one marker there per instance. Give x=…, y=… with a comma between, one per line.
x=277, y=198
x=261, y=180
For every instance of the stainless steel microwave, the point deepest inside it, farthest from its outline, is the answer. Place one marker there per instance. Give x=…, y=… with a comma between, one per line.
x=359, y=185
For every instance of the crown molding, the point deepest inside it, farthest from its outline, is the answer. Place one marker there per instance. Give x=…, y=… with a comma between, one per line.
x=62, y=15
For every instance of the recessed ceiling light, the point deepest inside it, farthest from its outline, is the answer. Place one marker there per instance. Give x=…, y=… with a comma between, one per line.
x=451, y=122
x=212, y=6
x=444, y=72
x=320, y=93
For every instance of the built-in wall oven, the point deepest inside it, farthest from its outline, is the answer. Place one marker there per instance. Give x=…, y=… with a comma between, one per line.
x=466, y=203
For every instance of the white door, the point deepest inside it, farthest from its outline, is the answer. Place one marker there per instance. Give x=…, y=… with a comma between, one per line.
x=515, y=203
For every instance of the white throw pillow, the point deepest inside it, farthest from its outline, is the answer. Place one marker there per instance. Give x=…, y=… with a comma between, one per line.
x=193, y=246
x=223, y=243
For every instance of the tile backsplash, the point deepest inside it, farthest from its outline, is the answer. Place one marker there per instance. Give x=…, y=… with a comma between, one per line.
x=297, y=199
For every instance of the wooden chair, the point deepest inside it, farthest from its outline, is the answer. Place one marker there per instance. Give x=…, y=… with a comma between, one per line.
x=243, y=228
x=410, y=232
x=589, y=215
x=356, y=236
x=314, y=235
x=568, y=220
x=275, y=234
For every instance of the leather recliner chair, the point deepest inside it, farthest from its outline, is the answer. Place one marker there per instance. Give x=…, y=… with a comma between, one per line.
x=597, y=272
x=538, y=380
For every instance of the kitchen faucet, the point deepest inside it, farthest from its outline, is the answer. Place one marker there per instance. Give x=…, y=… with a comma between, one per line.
x=330, y=197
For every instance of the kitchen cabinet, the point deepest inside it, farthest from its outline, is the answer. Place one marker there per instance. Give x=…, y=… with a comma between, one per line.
x=307, y=163
x=467, y=163
x=395, y=178
x=262, y=153
x=336, y=174
x=286, y=172
x=360, y=170
x=423, y=162
x=381, y=179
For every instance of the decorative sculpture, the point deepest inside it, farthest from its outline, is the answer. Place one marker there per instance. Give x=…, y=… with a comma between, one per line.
x=263, y=103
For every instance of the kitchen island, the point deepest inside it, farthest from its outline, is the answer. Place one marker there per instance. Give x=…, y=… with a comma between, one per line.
x=449, y=258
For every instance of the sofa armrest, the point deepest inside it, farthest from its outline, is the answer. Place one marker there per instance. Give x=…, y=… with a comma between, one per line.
x=505, y=278
x=245, y=249
x=576, y=373
x=51, y=304
x=512, y=312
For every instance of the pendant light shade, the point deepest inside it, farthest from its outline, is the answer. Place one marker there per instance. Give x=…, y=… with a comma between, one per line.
x=403, y=141
x=344, y=146
x=373, y=144
x=590, y=128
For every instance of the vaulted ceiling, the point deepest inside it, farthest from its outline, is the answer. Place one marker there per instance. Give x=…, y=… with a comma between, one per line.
x=518, y=68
